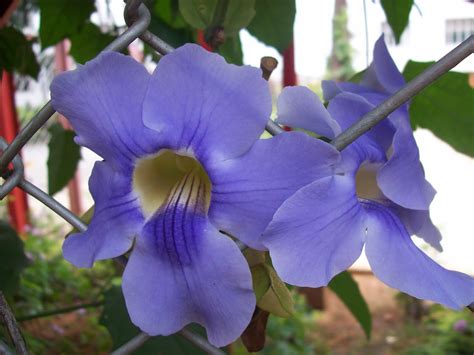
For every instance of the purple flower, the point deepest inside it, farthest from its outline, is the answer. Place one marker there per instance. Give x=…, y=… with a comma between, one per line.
x=182, y=163
x=460, y=325
x=377, y=197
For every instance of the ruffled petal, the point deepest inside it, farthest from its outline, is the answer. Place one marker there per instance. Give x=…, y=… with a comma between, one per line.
x=418, y=222
x=197, y=101
x=103, y=101
x=116, y=220
x=247, y=191
x=382, y=74
x=402, y=178
x=182, y=270
x=396, y=261
x=347, y=109
x=317, y=233
x=332, y=88
x=299, y=107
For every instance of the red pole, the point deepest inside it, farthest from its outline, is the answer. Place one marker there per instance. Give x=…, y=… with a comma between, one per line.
x=202, y=40
x=9, y=127
x=289, y=74
x=60, y=58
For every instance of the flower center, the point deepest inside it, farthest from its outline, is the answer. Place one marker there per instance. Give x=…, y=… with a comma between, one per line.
x=366, y=182
x=158, y=177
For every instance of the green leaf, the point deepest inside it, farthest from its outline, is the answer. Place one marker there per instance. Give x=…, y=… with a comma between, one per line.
x=277, y=300
x=12, y=258
x=261, y=280
x=198, y=13
x=398, y=14
x=117, y=321
x=357, y=77
x=61, y=19
x=87, y=43
x=231, y=50
x=445, y=107
x=273, y=22
x=64, y=155
x=238, y=15
x=168, y=12
x=16, y=53
x=344, y=286
x=174, y=36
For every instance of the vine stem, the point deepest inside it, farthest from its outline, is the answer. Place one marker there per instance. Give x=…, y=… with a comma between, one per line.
x=60, y=311
x=12, y=326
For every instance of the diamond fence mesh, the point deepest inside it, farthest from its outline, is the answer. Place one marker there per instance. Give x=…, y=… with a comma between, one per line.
x=137, y=17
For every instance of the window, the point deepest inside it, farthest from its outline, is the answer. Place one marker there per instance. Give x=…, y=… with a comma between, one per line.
x=458, y=30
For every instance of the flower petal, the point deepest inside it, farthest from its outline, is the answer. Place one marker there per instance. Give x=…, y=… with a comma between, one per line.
x=299, y=107
x=116, y=219
x=197, y=101
x=317, y=233
x=396, y=261
x=182, y=270
x=382, y=74
x=248, y=190
x=347, y=109
x=418, y=222
x=332, y=88
x=402, y=178
x=103, y=101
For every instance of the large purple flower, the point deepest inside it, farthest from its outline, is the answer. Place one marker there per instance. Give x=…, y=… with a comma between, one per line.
x=182, y=163
x=377, y=197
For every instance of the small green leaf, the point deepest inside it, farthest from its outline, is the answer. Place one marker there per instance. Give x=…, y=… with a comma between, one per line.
x=344, y=286
x=238, y=15
x=12, y=258
x=260, y=280
x=231, y=50
x=357, y=77
x=277, y=300
x=117, y=321
x=198, y=13
x=398, y=14
x=64, y=155
x=86, y=218
x=16, y=53
x=60, y=19
x=445, y=107
x=273, y=22
x=83, y=48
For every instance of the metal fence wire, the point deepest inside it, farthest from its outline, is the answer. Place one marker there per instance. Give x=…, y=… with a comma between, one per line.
x=137, y=17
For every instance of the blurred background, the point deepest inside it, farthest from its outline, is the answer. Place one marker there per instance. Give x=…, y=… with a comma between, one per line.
x=312, y=41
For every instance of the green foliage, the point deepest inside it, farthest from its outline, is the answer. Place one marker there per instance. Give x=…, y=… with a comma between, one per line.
x=117, y=321
x=445, y=107
x=61, y=19
x=16, y=53
x=231, y=50
x=198, y=13
x=398, y=14
x=51, y=282
x=273, y=22
x=440, y=335
x=345, y=287
x=64, y=155
x=238, y=15
x=13, y=258
x=339, y=65
x=88, y=42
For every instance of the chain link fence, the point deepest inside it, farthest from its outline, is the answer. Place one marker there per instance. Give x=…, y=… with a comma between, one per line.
x=137, y=17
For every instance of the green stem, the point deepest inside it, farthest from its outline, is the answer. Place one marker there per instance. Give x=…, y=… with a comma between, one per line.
x=60, y=311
